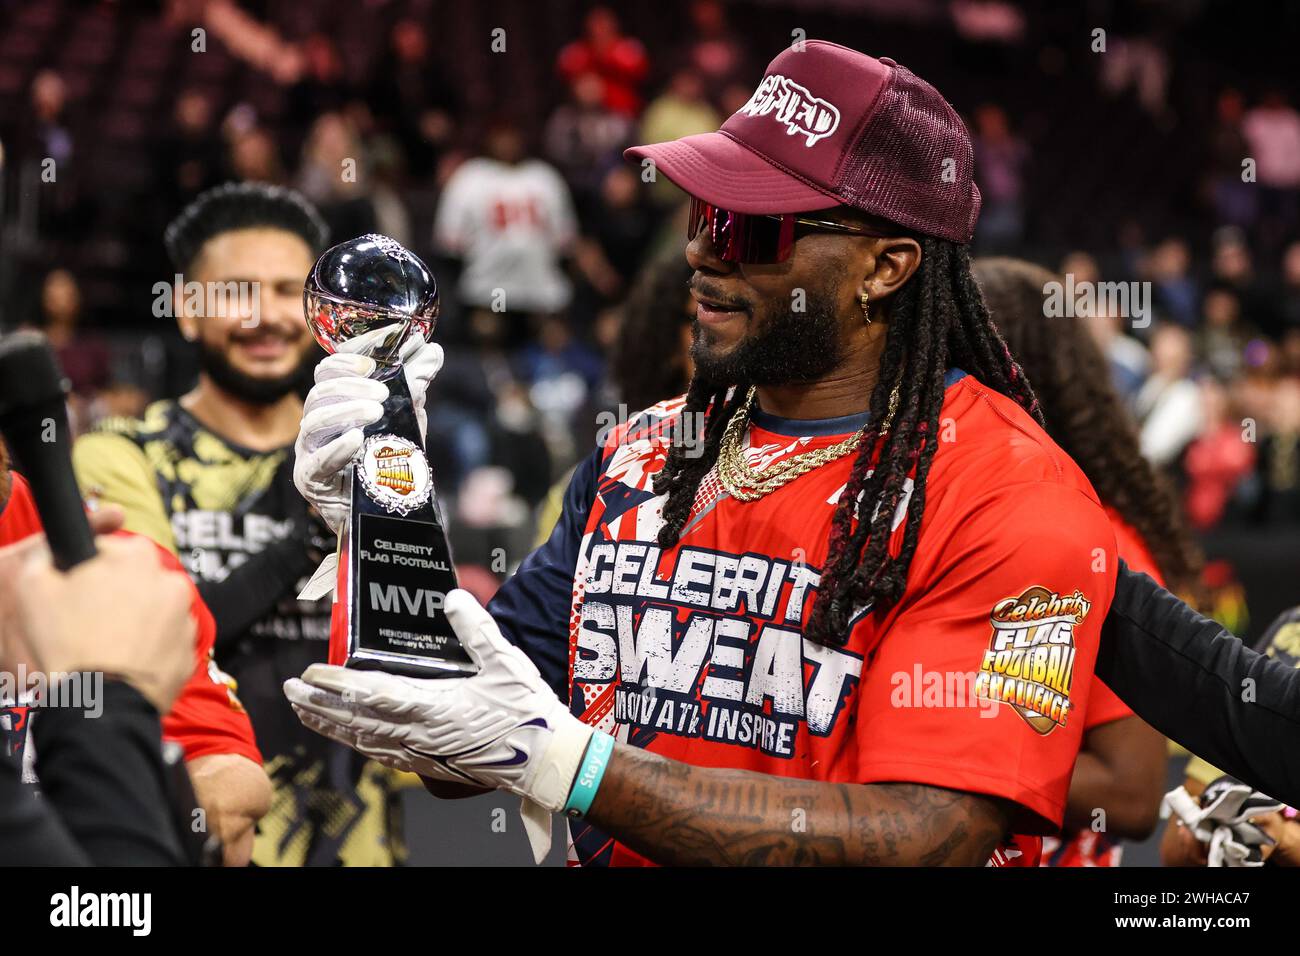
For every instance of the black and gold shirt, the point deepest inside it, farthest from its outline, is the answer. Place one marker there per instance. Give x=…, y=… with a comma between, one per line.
x=235, y=520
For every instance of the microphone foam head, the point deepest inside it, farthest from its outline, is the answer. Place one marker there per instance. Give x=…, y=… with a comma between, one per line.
x=29, y=372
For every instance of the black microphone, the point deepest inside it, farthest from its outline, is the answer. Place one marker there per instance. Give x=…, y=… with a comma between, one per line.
x=34, y=422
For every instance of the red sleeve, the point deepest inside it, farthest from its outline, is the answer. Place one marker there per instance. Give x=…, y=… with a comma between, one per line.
x=19, y=519
x=1007, y=621
x=207, y=718
x=1104, y=706
x=1133, y=549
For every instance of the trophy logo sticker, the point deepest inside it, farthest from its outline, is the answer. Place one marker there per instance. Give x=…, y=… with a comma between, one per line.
x=394, y=473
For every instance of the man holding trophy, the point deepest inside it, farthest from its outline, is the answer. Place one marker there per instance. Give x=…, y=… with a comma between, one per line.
x=699, y=665
x=706, y=662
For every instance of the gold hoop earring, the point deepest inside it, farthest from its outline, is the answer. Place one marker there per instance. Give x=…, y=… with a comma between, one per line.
x=866, y=310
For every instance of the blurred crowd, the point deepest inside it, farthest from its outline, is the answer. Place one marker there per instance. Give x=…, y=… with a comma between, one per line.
x=539, y=231
x=1212, y=374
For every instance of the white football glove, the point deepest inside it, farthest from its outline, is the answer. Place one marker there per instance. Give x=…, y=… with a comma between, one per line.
x=342, y=402
x=502, y=727
x=1223, y=818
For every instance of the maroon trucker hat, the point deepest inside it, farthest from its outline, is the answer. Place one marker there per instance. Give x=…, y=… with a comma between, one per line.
x=829, y=125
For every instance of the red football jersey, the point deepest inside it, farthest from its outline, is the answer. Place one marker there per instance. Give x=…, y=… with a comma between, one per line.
x=976, y=680
x=206, y=718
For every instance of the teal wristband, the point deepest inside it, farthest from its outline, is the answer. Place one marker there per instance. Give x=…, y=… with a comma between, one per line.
x=594, y=761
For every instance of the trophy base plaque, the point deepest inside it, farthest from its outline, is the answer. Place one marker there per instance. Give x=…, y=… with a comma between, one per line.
x=395, y=567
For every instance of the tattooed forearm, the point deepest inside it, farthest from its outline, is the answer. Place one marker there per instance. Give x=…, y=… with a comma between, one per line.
x=673, y=813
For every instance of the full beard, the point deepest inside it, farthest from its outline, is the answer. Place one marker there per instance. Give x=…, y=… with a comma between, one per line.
x=251, y=388
x=786, y=348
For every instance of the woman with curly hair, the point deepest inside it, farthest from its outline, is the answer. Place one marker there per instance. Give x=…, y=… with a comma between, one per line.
x=652, y=359
x=1120, y=774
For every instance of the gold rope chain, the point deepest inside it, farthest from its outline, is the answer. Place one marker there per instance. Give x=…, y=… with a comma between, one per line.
x=745, y=483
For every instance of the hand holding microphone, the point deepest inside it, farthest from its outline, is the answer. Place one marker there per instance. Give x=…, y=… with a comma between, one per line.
x=114, y=612
x=122, y=614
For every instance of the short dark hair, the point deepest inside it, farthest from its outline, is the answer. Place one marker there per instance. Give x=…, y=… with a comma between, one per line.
x=246, y=205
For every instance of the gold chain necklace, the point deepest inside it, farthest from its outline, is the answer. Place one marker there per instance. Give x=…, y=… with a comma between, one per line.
x=745, y=483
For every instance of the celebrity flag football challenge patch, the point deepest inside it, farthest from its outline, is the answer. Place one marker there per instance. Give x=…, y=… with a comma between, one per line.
x=1030, y=660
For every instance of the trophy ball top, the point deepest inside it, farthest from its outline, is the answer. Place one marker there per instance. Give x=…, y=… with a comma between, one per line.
x=370, y=290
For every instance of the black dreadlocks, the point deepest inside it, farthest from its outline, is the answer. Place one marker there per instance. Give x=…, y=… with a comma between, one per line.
x=937, y=321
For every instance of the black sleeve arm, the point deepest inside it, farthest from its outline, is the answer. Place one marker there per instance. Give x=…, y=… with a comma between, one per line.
x=1196, y=683
x=251, y=590
x=533, y=606
x=30, y=833
x=104, y=778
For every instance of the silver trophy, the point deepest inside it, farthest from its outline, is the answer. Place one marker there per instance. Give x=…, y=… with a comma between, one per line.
x=373, y=297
